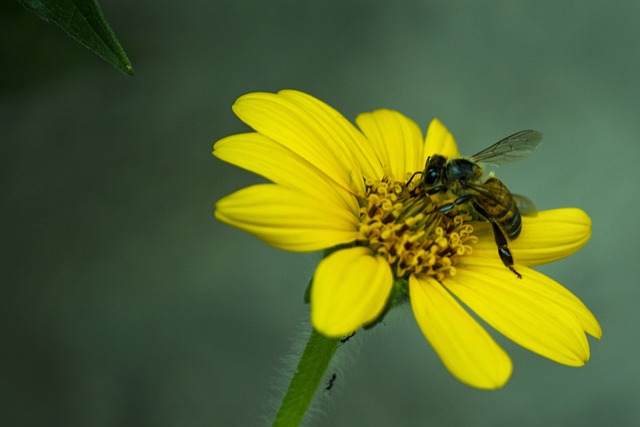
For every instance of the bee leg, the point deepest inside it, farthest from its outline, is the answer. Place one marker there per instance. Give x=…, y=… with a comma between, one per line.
x=435, y=190
x=459, y=201
x=501, y=241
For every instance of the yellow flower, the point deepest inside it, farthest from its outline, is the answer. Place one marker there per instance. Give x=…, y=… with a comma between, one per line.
x=337, y=186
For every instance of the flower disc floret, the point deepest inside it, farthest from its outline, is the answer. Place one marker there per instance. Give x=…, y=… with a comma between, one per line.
x=402, y=223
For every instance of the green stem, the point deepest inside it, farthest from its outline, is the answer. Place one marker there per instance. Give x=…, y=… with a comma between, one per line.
x=315, y=359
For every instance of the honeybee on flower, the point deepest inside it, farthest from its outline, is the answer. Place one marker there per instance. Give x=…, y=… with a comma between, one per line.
x=349, y=191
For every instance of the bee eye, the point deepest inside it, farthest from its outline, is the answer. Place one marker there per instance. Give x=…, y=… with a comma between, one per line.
x=431, y=176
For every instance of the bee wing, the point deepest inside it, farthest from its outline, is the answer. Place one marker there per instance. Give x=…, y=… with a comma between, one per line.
x=510, y=149
x=525, y=205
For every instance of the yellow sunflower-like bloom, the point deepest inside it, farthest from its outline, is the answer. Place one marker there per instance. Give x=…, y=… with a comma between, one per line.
x=337, y=186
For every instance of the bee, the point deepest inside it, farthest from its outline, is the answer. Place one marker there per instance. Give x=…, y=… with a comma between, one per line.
x=491, y=199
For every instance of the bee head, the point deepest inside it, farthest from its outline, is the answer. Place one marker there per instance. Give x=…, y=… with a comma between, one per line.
x=433, y=170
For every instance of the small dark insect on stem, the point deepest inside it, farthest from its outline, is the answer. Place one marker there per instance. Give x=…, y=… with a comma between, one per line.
x=330, y=381
x=345, y=339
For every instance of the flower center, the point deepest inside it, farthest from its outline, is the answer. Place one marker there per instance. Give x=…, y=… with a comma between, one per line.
x=402, y=223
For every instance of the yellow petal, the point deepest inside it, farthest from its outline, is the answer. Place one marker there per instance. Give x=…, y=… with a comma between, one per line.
x=544, y=287
x=315, y=134
x=261, y=155
x=396, y=139
x=350, y=289
x=439, y=141
x=287, y=219
x=340, y=129
x=547, y=237
x=466, y=349
x=524, y=315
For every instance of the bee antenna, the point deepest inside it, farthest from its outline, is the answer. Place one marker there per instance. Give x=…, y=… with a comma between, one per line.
x=413, y=176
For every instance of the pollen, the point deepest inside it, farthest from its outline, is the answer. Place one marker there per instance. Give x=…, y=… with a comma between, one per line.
x=402, y=223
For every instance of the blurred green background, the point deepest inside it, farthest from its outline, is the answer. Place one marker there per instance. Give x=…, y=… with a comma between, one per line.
x=123, y=302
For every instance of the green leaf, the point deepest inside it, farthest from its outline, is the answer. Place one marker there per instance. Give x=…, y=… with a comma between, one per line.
x=83, y=20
